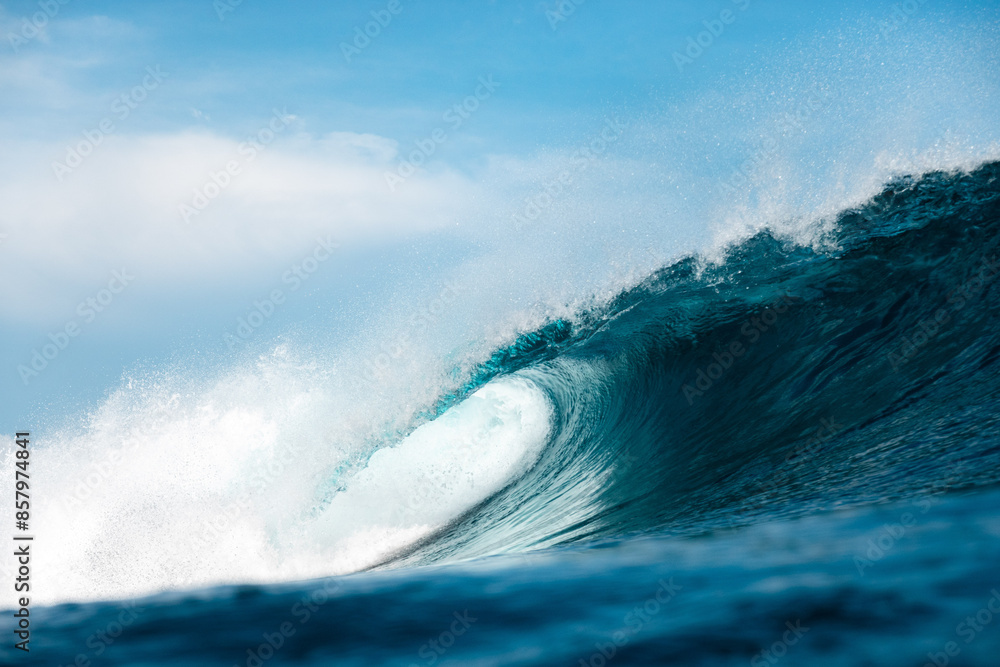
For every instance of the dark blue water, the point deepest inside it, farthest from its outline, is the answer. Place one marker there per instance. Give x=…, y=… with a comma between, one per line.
x=788, y=457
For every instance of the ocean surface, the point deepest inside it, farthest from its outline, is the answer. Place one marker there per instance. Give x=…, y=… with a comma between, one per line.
x=786, y=456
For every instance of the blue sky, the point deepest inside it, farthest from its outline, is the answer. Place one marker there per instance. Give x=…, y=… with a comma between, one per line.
x=903, y=95
x=261, y=56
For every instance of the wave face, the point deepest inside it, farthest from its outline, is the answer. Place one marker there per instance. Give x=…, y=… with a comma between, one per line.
x=805, y=407
x=782, y=380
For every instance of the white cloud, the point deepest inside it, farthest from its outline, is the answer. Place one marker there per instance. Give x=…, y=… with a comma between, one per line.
x=120, y=207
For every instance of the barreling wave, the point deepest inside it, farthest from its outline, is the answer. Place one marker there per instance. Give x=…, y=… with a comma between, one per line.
x=781, y=380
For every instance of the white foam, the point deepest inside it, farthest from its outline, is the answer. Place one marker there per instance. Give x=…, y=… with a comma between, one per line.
x=225, y=484
x=442, y=470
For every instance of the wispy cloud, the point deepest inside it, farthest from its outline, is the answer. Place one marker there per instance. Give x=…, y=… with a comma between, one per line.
x=121, y=207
